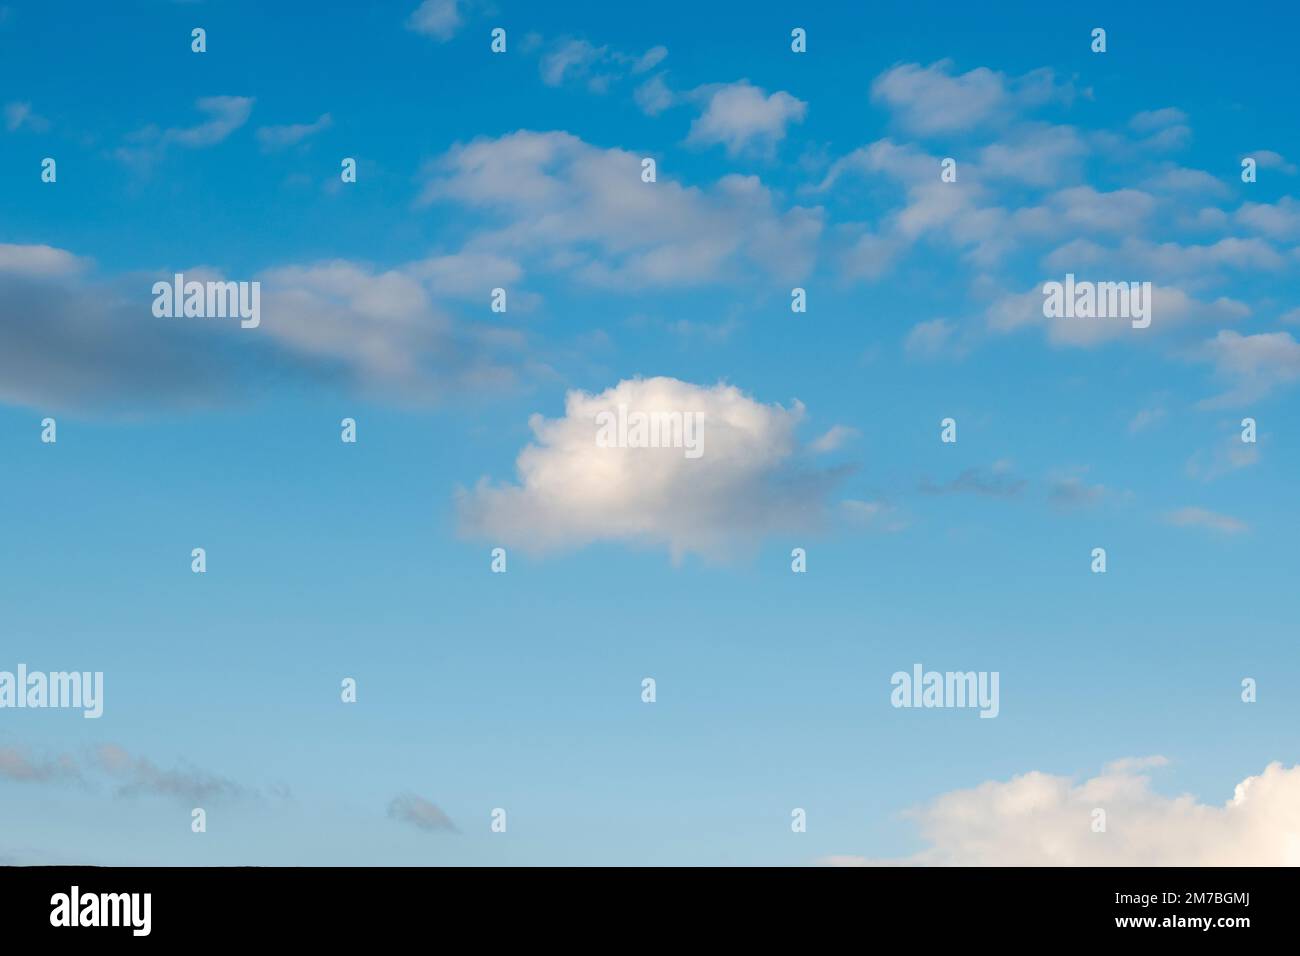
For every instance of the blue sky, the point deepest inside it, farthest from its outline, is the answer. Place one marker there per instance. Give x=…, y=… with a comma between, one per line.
x=522, y=690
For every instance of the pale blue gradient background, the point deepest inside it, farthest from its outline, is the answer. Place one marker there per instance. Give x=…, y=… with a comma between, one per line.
x=522, y=690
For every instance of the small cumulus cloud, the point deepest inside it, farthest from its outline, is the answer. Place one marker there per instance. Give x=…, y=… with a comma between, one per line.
x=439, y=19
x=750, y=478
x=742, y=117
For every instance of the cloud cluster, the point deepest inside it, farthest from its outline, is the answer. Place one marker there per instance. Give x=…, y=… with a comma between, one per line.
x=577, y=208
x=934, y=100
x=1022, y=203
x=599, y=67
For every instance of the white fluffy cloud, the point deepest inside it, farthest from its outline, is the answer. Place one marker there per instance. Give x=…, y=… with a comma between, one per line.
x=1279, y=220
x=38, y=261
x=752, y=477
x=741, y=117
x=1040, y=819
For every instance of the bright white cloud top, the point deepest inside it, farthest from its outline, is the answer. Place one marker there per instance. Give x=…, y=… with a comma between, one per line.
x=752, y=478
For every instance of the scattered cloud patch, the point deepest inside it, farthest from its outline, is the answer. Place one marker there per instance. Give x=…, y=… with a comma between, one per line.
x=935, y=99
x=19, y=115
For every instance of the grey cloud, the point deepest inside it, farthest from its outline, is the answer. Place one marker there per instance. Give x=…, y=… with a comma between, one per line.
x=139, y=775
x=976, y=481
x=415, y=810
x=18, y=766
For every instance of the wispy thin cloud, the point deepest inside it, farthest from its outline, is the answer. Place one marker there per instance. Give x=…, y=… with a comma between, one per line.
x=279, y=137
x=1204, y=518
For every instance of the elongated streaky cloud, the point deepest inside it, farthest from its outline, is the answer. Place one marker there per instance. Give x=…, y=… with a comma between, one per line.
x=278, y=137
x=226, y=114
x=935, y=99
x=139, y=775
x=19, y=766
x=1204, y=518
